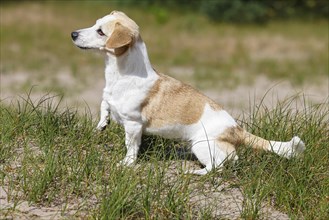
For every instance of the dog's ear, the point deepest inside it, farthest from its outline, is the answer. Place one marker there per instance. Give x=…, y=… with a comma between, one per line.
x=120, y=37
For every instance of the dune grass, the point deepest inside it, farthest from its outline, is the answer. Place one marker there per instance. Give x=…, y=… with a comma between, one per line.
x=51, y=156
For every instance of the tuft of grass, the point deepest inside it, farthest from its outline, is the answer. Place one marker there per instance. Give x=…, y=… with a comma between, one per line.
x=298, y=186
x=50, y=155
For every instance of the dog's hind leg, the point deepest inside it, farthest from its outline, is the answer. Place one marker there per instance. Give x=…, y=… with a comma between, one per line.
x=212, y=154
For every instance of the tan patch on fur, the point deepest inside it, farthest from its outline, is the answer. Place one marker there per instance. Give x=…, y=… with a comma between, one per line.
x=120, y=37
x=256, y=142
x=237, y=136
x=232, y=135
x=171, y=102
x=121, y=50
x=123, y=19
x=214, y=105
x=123, y=32
x=226, y=147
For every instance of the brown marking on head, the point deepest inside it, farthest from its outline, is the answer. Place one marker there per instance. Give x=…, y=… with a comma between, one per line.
x=120, y=40
x=123, y=33
x=171, y=102
x=121, y=36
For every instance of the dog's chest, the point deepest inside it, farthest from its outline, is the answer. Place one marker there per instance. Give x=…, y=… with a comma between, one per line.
x=125, y=96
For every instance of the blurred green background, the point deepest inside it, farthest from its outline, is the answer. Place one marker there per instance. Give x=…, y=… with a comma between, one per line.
x=222, y=47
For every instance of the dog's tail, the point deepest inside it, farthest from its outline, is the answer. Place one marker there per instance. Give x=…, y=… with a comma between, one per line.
x=288, y=149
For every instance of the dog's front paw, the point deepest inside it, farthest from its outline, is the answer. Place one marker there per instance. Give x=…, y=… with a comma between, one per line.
x=101, y=125
x=127, y=161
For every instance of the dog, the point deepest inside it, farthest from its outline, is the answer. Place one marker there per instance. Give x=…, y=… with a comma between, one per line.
x=145, y=101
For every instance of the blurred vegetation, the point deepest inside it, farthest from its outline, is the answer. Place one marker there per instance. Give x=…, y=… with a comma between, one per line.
x=36, y=47
x=236, y=11
x=245, y=11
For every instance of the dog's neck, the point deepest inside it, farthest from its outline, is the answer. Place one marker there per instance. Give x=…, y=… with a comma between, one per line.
x=134, y=62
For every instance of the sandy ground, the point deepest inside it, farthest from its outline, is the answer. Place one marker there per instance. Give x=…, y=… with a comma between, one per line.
x=239, y=100
x=24, y=210
x=226, y=202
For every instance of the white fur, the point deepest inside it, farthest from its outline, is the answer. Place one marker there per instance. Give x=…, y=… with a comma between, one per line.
x=288, y=149
x=204, y=129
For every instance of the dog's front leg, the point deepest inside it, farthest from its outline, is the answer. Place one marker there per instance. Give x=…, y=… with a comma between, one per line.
x=133, y=132
x=105, y=109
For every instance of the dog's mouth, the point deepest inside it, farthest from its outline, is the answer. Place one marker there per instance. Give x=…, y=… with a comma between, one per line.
x=85, y=48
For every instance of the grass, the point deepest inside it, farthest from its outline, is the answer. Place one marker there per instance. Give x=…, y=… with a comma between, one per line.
x=51, y=156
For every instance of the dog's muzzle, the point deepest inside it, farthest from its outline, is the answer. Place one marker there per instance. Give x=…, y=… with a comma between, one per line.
x=74, y=35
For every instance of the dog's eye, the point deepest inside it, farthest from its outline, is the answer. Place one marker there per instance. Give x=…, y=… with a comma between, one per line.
x=100, y=32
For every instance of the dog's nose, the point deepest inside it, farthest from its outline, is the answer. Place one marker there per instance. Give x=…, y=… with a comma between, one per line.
x=74, y=35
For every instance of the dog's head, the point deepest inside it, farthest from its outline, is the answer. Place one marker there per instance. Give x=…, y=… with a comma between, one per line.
x=114, y=33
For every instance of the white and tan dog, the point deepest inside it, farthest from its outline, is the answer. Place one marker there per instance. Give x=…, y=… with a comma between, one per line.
x=142, y=100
